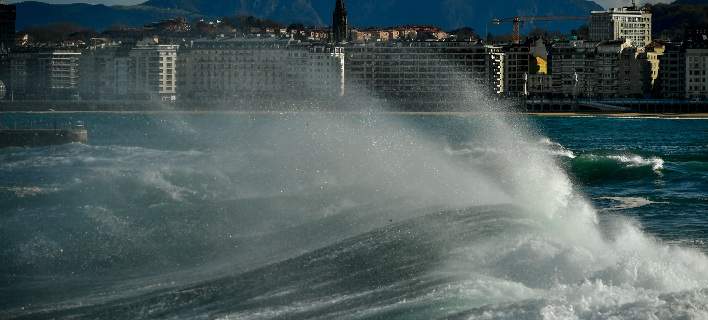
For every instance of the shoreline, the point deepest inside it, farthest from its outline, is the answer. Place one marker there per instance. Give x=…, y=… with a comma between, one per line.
x=402, y=113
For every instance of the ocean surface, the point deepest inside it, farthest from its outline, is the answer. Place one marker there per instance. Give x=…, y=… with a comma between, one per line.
x=341, y=216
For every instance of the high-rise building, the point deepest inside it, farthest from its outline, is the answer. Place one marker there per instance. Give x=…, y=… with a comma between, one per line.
x=8, y=15
x=152, y=71
x=621, y=23
x=340, y=27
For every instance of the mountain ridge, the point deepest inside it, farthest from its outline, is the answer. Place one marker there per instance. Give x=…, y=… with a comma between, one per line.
x=448, y=14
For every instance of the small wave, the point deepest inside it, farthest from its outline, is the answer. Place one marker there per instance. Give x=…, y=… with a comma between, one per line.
x=656, y=163
x=594, y=167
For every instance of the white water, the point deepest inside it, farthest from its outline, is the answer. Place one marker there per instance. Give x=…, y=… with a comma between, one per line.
x=562, y=265
x=656, y=164
x=550, y=260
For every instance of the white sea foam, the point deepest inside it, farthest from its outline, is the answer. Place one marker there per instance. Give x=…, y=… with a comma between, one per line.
x=657, y=164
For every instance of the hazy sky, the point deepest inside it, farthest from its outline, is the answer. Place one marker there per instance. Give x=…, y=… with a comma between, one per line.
x=606, y=3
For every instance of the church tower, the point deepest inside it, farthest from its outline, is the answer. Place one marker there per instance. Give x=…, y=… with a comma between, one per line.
x=340, y=28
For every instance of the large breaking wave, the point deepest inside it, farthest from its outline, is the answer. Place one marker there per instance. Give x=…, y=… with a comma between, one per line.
x=332, y=216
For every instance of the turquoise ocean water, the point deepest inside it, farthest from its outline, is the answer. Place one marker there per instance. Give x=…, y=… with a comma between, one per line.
x=303, y=216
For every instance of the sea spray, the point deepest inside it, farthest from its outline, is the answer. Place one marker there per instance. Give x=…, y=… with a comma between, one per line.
x=334, y=216
x=331, y=216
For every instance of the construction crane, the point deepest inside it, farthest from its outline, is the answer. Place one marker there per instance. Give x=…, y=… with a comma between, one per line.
x=518, y=22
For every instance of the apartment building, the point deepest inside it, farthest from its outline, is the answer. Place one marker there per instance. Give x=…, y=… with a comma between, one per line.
x=105, y=73
x=516, y=69
x=239, y=68
x=425, y=68
x=671, y=78
x=153, y=71
x=621, y=24
x=573, y=69
x=696, y=73
x=44, y=74
x=523, y=63
x=610, y=69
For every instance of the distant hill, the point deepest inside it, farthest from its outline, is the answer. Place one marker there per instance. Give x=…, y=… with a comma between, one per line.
x=99, y=17
x=691, y=2
x=448, y=14
x=670, y=20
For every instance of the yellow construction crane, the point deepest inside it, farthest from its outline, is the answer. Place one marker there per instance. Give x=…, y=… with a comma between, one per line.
x=518, y=22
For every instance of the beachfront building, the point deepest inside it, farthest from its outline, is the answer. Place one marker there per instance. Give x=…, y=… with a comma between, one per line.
x=153, y=71
x=608, y=69
x=246, y=68
x=671, y=78
x=631, y=23
x=425, y=68
x=696, y=72
x=105, y=73
x=524, y=62
x=44, y=74
x=516, y=69
x=573, y=69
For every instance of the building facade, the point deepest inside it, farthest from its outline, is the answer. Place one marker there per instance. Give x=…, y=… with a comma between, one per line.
x=601, y=70
x=153, y=72
x=44, y=74
x=244, y=68
x=621, y=24
x=516, y=69
x=424, y=69
x=573, y=69
x=671, y=78
x=696, y=72
x=105, y=73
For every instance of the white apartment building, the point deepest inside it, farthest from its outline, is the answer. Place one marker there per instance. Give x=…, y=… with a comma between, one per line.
x=696, y=73
x=153, y=71
x=621, y=23
x=243, y=68
x=427, y=68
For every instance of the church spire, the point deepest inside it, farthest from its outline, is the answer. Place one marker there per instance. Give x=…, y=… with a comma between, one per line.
x=340, y=28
